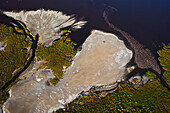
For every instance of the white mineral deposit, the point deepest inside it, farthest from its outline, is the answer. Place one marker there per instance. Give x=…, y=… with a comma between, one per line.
x=102, y=61
x=46, y=23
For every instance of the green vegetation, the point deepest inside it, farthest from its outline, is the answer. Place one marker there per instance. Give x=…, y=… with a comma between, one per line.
x=58, y=55
x=150, y=97
x=16, y=54
x=13, y=58
x=165, y=60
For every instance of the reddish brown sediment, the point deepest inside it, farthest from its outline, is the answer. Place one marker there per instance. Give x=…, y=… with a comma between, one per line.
x=143, y=56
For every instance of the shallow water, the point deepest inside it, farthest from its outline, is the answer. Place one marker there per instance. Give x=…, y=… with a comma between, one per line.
x=147, y=21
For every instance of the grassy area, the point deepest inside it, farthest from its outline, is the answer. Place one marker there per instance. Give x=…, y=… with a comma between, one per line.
x=165, y=60
x=13, y=58
x=58, y=55
x=150, y=97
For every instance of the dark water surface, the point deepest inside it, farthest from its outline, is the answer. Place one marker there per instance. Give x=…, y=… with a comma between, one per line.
x=146, y=20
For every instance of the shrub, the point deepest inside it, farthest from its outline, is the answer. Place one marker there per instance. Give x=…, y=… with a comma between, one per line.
x=150, y=97
x=13, y=58
x=58, y=55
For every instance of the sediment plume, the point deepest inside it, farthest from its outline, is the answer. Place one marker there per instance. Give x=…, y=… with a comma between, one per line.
x=46, y=23
x=143, y=56
x=102, y=61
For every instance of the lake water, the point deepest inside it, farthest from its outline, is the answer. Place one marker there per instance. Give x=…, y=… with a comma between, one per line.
x=147, y=20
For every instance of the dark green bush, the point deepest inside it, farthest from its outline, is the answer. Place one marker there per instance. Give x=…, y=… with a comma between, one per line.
x=13, y=58
x=58, y=55
x=150, y=97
